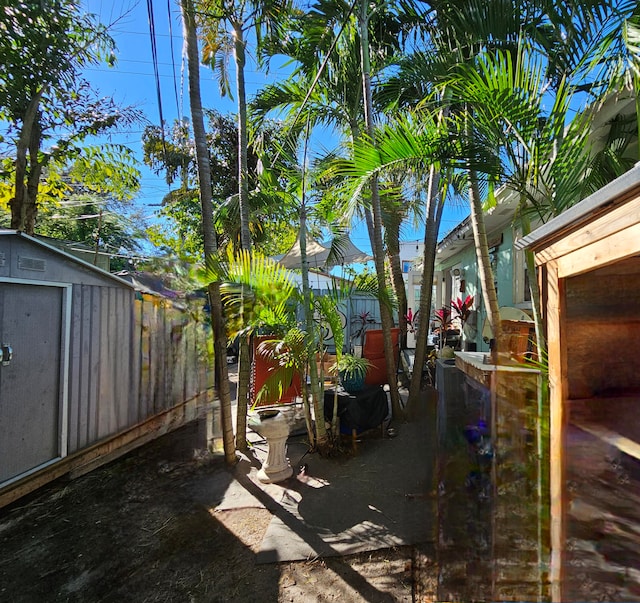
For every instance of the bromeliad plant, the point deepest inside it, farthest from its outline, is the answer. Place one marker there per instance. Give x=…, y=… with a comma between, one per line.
x=442, y=318
x=361, y=323
x=462, y=308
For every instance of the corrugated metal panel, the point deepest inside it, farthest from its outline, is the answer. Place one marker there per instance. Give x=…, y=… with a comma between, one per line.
x=100, y=343
x=30, y=403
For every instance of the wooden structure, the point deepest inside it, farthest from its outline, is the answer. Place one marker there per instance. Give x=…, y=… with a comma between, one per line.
x=512, y=477
x=90, y=367
x=589, y=270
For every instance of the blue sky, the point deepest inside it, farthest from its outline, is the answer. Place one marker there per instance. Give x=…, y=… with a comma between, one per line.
x=132, y=82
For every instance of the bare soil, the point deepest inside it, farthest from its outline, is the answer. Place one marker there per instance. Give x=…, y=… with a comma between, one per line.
x=137, y=530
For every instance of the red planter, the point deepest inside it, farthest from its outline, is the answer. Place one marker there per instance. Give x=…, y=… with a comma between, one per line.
x=261, y=368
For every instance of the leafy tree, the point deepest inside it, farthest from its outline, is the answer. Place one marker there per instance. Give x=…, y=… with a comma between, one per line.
x=264, y=19
x=43, y=99
x=174, y=156
x=506, y=46
x=97, y=221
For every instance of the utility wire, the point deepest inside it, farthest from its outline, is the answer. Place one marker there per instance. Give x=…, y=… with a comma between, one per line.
x=154, y=57
x=173, y=62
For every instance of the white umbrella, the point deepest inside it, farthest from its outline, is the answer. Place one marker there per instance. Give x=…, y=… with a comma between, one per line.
x=318, y=254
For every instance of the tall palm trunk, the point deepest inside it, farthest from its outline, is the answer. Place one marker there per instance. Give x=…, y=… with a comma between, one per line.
x=386, y=315
x=243, y=176
x=322, y=438
x=435, y=206
x=392, y=236
x=244, y=356
x=485, y=273
x=210, y=243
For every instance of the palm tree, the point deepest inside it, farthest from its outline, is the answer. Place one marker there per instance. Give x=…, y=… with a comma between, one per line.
x=264, y=18
x=462, y=32
x=321, y=92
x=210, y=245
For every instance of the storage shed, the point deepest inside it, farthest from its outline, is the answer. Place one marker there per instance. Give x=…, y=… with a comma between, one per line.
x=589, y=269
x=89, y=367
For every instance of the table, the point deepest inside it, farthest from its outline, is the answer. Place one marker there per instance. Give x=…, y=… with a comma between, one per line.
x=362, y=410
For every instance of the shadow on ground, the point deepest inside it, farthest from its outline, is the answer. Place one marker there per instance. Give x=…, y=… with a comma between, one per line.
x=151, y=527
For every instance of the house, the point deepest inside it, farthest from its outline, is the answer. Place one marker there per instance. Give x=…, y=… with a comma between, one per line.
x=456, y=272
x=456, y=269
x=411, y=256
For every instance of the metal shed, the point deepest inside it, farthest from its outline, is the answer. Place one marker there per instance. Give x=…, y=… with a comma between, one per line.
x=89, y=366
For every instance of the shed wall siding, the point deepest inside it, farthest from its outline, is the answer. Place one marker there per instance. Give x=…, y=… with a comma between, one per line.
x=99, y=392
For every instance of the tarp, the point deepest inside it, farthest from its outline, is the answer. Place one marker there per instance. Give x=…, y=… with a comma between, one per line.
x=318, y=254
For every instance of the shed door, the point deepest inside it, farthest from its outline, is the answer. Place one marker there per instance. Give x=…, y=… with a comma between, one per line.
x=30, y=401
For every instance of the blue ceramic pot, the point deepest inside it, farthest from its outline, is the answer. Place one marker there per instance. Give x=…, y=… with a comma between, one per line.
x=352, y=384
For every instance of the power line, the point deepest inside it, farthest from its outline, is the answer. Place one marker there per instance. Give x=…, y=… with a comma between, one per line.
x=154, y=57
x=173, y=63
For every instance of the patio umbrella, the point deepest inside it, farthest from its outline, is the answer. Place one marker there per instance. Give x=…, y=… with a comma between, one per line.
x=318, y=254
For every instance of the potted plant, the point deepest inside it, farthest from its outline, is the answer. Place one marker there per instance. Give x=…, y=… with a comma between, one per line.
x=352, y=371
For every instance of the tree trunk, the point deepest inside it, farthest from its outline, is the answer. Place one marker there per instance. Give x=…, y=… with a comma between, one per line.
x=435, y=205
x=386, y=315
x=210, y=243
x=484, y=264
x=19, y=200
x=33, y=179
x=322, y=437
x=244, y=356
x=243, y=179
x=392, y=232
x=242, y=391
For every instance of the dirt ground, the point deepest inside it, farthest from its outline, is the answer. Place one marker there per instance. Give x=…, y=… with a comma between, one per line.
x=137, y=530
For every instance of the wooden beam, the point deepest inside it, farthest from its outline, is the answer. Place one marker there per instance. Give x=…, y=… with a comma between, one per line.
x=618, y=219
x=601, y=253
x=554, y=305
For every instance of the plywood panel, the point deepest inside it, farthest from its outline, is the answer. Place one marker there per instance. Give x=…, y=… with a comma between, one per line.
x=602, y=360
x=607, y=295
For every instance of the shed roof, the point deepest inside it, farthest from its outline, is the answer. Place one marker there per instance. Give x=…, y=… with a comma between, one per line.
x=35, y=241
x=587, y=209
